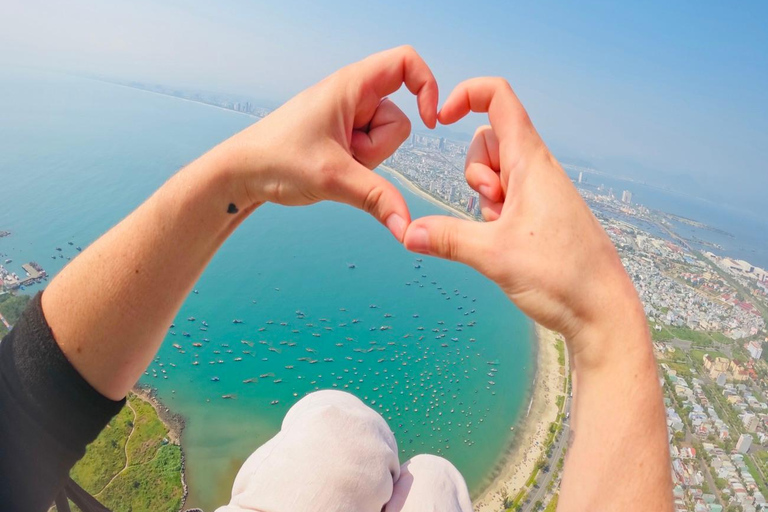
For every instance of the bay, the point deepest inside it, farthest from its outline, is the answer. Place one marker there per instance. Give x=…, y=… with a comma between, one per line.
x=78, y=155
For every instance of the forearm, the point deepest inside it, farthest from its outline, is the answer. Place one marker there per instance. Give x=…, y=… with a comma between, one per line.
x=618, y=457
x=109, y=309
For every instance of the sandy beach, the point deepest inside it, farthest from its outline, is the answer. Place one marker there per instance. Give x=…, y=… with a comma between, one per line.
x=427, y=197
x=531, y=431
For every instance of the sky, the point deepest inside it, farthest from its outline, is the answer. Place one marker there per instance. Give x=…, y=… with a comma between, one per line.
x=675, y=94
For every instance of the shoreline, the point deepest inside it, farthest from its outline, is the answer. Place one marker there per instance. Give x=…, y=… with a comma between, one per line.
x=531, y=430
x=423, y=194
x=175, y=424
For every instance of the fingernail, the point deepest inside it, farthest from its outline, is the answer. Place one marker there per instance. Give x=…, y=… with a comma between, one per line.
x=396, y=224
x=485, y=190
x=418, y=240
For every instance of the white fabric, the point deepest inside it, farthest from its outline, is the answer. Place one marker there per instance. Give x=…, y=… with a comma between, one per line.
x=335, y=454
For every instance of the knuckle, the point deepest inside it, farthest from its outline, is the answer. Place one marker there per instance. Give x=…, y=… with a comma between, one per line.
x=450, y=244
x=480, y=132
x=501, y=83
x=372, y=199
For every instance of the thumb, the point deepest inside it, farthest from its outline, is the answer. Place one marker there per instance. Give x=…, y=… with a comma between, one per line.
x=454, y=239
x=364, y=189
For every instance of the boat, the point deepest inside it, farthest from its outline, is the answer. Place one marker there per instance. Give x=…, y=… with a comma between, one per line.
x=176, y=345
x=289, y=367
x=191, y=319
x=195, y=363
x=237, y=321
x=215, y=379
x=274, y=402
x=238, y=359
x=205, y=324
x=195, y=292
x=78, y=248
x=225, y=397
x=350, y=265
x=277, y=381
x=197, y=344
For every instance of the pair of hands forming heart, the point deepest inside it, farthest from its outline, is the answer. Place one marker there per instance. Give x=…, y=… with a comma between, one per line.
x=541, y=243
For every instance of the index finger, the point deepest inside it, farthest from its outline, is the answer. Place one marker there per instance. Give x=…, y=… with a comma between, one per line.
x=492, y=95
x=384, y=73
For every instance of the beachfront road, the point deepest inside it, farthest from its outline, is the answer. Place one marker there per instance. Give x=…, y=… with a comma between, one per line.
x=540, y=492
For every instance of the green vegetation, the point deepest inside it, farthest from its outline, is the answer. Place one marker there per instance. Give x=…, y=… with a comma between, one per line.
x=552, y=507
x=105, y=457
x=11, y=307
x=155, y=485
x=131, y=466
x=560, y=346
x=756, y=474
x=148, y=433
x=682, y=369
x=697, y=356
x=699, y=338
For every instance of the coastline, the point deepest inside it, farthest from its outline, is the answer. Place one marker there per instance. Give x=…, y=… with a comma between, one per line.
x=425, y=195
x=531, y=430
x=175, y=424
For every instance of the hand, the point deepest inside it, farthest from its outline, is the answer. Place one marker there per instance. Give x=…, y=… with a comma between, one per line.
x=541, y=243
x=324, y=143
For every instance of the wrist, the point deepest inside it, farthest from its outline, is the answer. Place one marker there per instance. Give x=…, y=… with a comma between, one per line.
x=239, y=166
x=619, y=335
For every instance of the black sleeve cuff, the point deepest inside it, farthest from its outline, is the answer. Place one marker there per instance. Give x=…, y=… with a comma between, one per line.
x=56, y=395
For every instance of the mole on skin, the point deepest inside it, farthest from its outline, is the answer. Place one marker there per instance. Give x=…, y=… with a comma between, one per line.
x=232, y=208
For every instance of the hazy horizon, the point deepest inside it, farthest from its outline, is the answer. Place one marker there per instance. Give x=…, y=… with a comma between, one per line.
x=671, y=95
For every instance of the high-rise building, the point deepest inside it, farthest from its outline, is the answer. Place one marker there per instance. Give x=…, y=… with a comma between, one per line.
x=413, y=140
x=581, y=177
x=442, y=144
x=750, y=422
x=744, y=443
x=471, y=204
x=626, y=197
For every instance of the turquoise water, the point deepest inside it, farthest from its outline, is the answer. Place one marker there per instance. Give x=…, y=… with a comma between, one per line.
x=76, y=156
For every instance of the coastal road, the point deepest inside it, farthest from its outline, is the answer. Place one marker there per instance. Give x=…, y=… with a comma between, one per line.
x=557, y=452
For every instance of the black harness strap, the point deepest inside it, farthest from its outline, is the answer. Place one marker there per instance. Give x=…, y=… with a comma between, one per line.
x=79, y=496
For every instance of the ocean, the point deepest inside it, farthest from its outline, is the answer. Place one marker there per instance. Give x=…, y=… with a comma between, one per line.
x=444, y=356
